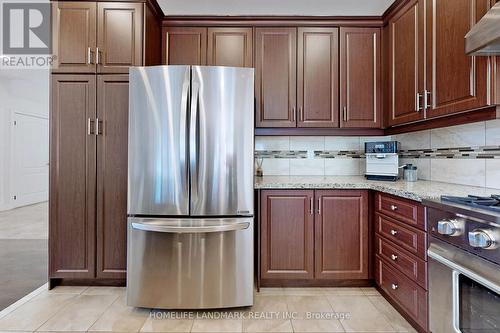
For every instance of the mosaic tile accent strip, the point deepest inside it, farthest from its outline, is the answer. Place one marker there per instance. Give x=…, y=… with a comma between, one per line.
x=280, y=154
x=484, y=152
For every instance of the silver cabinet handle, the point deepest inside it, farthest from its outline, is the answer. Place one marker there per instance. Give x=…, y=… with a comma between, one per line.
x=319, y=206
x=418, y=98
x=394, y=286
x=97, y=56
x=90, y=127
x=394, y=257
x=427, y=99
x=301, y=114
x=394, y=232
x=311, y=204
x=189, y=230
x=293, y=113
x=89, y=56
x=98, y=127
x=394, y=207
x=344, y=113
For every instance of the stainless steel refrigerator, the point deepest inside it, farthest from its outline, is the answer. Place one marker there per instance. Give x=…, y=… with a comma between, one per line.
x=190, y=187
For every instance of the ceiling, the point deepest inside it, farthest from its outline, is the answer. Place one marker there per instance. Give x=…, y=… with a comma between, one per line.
x=276, y=7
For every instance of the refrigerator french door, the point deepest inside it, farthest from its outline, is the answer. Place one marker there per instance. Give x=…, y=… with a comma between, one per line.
x=190, y=187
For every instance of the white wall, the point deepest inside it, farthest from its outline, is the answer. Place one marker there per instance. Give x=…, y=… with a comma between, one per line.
x=25, y=92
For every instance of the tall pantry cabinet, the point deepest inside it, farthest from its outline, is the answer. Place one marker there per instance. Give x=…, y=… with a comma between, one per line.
x=95, y=43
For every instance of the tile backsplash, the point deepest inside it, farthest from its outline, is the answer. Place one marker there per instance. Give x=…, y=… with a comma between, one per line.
x=465, y=154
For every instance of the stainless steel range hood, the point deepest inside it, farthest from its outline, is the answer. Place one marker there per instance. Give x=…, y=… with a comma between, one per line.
x=484, y=37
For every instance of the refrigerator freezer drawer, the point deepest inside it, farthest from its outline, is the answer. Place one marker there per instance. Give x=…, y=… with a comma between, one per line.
x=190, y=263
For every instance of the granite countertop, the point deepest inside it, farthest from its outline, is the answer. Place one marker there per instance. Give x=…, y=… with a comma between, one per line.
x=418, y=191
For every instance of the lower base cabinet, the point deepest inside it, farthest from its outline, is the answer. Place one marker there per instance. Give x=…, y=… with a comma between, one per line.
x=313, y=236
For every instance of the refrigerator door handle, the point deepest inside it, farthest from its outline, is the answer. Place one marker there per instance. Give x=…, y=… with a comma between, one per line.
x=190, y=230
x=184, y=123
x=193, y=139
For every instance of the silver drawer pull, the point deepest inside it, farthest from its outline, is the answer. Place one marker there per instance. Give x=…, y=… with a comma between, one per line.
x=394, y=257
x=190, y=230
x=394, y=207
x=394, y=286
x=394, y=232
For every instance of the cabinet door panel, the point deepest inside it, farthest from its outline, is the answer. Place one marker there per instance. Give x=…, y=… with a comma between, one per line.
x=457, y=82
x=112, y=110
x=406, y=64
x=74, y=36
x=287, y=233
x=360, y=87
x=184, y=46
x=230, y=47
x=341, y=234
x=119, y=36
x=275, y=77
x=72, y=177
x=318, y=77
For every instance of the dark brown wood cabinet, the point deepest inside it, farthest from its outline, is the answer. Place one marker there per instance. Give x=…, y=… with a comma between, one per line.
x=184, y=46
x=74, y=36
x=112, y=113
x=455, y=81
x=318, y=77
x=119, y=36
x=72, y=211
x=360, y=78
x=341, y=234
x=401, y=256
x=406, y=64
x=88, y=180
x=103, y=37
x=305, y=235
x=276, y=77
x=230, y=46
x=287, y=234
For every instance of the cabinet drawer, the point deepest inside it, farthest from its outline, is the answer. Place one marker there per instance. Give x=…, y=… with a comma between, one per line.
x=407, y=294
x=407, y=211
x=410, y=239
x=411, y=266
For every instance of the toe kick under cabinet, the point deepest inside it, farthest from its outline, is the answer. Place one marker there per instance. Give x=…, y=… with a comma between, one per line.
x=314, y=237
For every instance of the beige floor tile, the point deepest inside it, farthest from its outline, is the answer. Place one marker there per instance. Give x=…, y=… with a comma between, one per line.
x=33, y=314
x=343, y=291
x=105, y=291
x=397, y=321
x=222, y=325
x=301, y=305
x=272, y=325
x=310, y=325
x=168, y=321
x=303, y=291
x=121, y=318
x=363, y=315
x=80, y=314
x=269, y=304
x=370, y=291
x=76, y=290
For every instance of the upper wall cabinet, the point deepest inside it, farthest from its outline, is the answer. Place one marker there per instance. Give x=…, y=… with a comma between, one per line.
x=406, y=64
x=104, y=37
x=184, y=46
x=360, y=78
x=230, y=47
x=455, y=81
x=275, y=77
x=74, y=36
x=119, y=37
x=318, y=77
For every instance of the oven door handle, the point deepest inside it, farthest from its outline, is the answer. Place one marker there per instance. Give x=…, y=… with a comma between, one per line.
x=449, y=259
